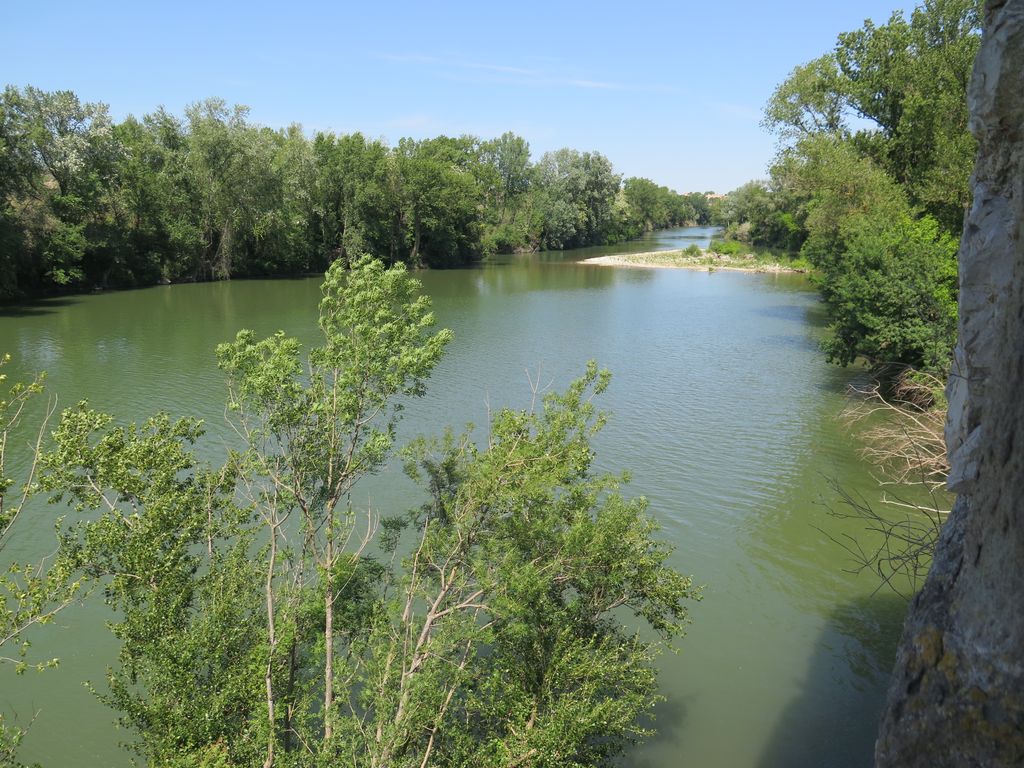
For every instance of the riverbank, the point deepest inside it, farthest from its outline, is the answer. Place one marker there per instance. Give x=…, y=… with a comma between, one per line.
x=686, y=259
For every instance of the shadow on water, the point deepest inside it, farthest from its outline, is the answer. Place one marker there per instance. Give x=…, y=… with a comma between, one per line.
x=38, y=307
x=834, y=719
x=668, y=723
x=802, y=314
x=795, y=341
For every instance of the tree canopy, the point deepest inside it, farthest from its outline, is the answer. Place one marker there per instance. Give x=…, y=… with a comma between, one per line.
x=86, y=203
x=514, y=617
x=871, y=181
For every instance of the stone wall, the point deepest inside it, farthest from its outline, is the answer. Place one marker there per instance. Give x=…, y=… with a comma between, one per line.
x=957, y=694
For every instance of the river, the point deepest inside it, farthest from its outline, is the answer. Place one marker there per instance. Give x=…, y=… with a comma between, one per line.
x=722, y=407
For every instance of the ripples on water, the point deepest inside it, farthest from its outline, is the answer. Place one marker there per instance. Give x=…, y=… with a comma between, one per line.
x=722, y=408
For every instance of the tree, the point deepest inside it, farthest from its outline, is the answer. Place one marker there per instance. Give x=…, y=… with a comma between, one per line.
x=810, y=101
x=895, y=299
x=174, y=555
x=263, y=624
x=230, y=167
x=909, y=81
x=355, y=199
x=537, y=553
x=308, y=444
x=71, y=151
x=510, y=156
x=579, y=190
x=440, y=201
x=89, y=204
x=70, y=140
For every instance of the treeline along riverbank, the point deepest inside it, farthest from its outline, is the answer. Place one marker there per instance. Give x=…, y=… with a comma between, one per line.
x=870, y=184
x=87, y=203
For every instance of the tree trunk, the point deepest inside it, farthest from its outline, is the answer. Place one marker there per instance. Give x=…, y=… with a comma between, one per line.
x=414, y=257
x=268, y=678
x=957, y=694
x=329, y=632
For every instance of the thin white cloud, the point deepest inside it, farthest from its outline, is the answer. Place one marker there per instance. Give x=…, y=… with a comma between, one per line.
x=506, y=70
x=504, y=74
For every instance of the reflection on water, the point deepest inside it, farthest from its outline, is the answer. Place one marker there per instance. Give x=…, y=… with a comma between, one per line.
x=722, y=407
x=819, y=727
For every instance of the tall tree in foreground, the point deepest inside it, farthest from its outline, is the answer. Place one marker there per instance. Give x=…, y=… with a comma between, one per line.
x=311, y=434
x=265, y=621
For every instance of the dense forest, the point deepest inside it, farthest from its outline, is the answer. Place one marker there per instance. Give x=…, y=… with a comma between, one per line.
x=87, y=203
x=871, y=182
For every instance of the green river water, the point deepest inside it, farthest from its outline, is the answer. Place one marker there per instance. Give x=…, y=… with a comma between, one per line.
x=722, y=407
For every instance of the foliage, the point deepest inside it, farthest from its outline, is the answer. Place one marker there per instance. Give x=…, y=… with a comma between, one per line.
x=579, y=189
x=173, y=554
x=908, y=79
x=86, y=203
x=240, y=603
x=729, y=248
x=264, y=621
x=871, y=181
x=539, y=554
x=656, y=207
x=895, y=298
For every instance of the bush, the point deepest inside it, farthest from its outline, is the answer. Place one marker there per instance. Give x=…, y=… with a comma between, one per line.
x=893, y=299
x=729, y=248
x=506, y=238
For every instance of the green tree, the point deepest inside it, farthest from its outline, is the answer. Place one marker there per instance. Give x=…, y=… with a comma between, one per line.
x=648, y=204
x=309, y=443
x=440, y=201
x=909, y=80
x=89, y=204
x=230, y=167
x=578, y=193
x=355, y=207
x=810, y=101
x=174, y=555
x=70, y=140
x=506, y=176
x=261, y=624
x=73, y=152
x=895, y=299
x=510, y=156
x=525, y=556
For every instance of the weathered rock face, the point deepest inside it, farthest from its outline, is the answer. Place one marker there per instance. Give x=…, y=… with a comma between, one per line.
x=957, y=695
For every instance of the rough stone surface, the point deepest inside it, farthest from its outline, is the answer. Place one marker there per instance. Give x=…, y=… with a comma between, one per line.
x=957, y=694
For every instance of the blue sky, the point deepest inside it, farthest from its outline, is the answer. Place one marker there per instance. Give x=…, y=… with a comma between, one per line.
x=668, y=90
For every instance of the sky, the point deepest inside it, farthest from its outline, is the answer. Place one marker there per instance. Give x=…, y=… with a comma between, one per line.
x=672, y=91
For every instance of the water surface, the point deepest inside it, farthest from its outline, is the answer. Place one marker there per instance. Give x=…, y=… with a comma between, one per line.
x=723, y=408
